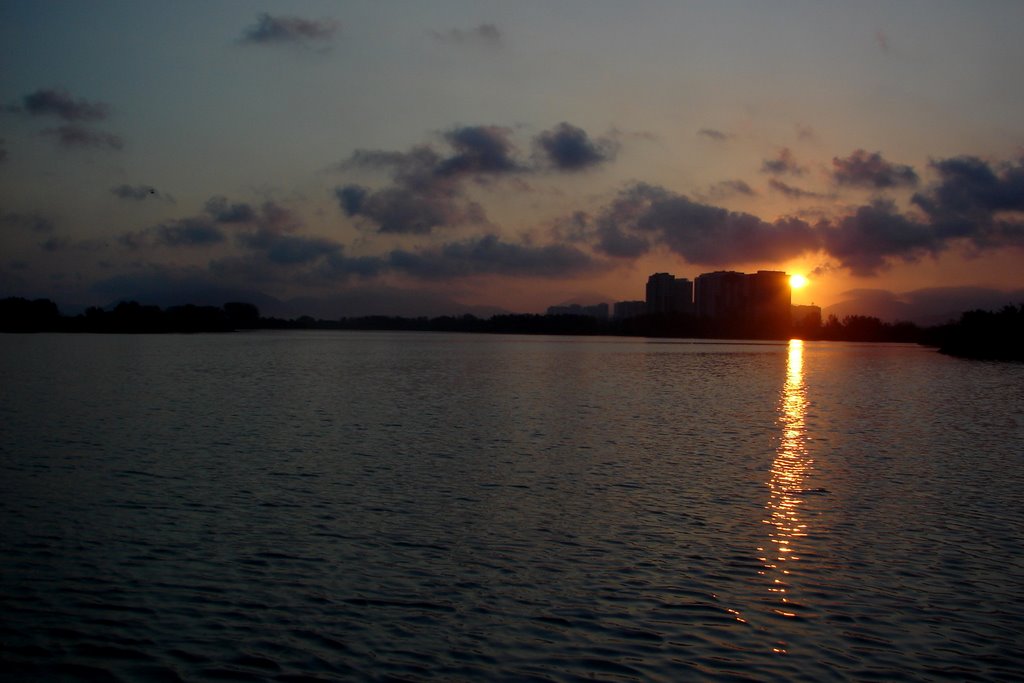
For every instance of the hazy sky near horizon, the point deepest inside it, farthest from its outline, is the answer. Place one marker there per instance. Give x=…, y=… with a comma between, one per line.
x=514, y=154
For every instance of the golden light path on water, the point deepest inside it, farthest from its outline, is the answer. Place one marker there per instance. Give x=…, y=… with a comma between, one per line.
x=786, y=485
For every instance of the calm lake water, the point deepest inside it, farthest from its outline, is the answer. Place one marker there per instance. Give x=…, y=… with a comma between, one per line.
x=402, y=506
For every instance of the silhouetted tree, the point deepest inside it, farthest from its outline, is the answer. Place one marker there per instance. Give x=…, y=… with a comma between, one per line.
x=21, y=315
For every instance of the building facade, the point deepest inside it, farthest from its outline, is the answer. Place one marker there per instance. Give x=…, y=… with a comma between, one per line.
x=668, y=294
x=757, y=304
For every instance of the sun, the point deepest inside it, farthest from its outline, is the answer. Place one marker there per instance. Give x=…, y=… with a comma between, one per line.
x=797, y=281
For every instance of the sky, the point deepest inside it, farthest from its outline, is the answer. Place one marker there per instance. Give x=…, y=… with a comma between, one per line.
x=350, y=158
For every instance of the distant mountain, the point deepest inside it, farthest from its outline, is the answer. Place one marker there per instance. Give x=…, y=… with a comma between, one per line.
x=929, y=306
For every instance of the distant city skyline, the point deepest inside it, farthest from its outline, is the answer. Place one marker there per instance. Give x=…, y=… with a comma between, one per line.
x=331, y=160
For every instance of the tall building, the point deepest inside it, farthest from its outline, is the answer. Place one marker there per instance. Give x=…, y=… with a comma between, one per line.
x=721, y=294
x=668, y=294
x=757, y=304
x=769, y=303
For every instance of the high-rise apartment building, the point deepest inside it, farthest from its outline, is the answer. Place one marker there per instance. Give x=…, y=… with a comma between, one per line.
x=757, y=303
x=721, y=294
x=668, y=294
x=770, y=303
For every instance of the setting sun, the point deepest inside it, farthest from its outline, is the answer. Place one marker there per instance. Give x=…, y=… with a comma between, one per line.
x=797, y=281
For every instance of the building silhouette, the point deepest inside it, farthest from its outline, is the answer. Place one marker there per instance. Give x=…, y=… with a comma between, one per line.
x=668, y=294
x=721, y=303
x=757, y=304
x=628, y=309
x=721, y=294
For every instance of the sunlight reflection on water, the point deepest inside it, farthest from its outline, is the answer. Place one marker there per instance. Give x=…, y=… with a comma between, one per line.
x=786, y=486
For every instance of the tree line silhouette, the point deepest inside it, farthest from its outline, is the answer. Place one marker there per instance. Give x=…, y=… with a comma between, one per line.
x=996, y=335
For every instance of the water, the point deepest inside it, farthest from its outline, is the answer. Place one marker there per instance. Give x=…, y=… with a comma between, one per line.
x=378, y=506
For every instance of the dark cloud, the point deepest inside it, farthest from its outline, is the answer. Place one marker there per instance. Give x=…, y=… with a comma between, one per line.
x=484, y=34
x=972, y=192
x=222, y=211
x=282, y=249
x=975, y=204
x=3, y=150
x=729, y=188
x=401, y=210
x=713, y=134
x=188, y=232
x=783, y=163
x=54, y=244
x=864, y=241
x=26, y=221
x=73, y=135
x=265, y=224
x=572, y=228
x=871, y=170
x=139, y=193
x=269, y=30
x=791, y=191
x=59, y=103
x=479, y=150
x=490, y=255
x=643, y=216
x=569, y=148
x=427, y=188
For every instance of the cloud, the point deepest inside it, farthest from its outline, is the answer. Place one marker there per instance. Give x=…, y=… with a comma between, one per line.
x=282, y=249
x=222, y=211
x=864, y=240
x=188, y=232
x=791, y=191
x=263, y=224
x=3, y=150
x=400, y=210
x=479, y=150
x=871, y=170
x=139, y=193
x=485, y=34
x=26, y=221
x=73, y=135
x=972, y=191
x=643, y=216
x=569, y=148
x=713, y=134
x=974, y=204
x=730, y=188
x=427, y=189
x=783, y=163
x=490, y=255
x=59, y=102
x=274, y=30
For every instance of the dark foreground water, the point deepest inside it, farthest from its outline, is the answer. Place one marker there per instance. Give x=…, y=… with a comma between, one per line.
x=373, y=506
